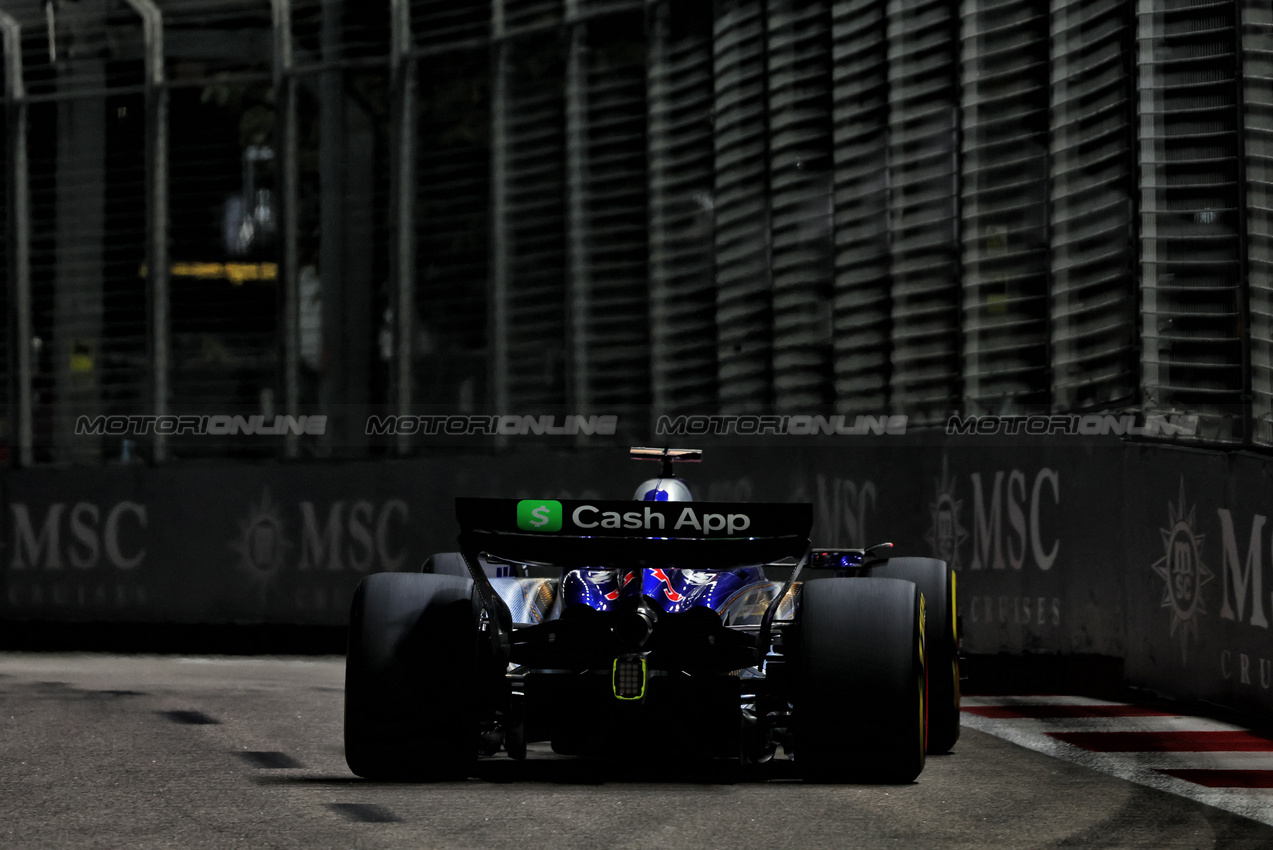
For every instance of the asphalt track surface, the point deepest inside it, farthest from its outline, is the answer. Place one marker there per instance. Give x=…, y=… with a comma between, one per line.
x=145, y=751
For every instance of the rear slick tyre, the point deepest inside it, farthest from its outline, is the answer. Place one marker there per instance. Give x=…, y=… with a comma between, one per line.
x=941, y=642
x=858, y=708
x=410, y=677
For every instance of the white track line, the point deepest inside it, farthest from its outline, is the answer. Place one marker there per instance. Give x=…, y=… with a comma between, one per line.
x=1045, y=699
x=1205, y=761
x=1125, y=724
x=1256, y=804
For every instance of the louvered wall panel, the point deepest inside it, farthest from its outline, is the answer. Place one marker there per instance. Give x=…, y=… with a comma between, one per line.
x=924, y=262
x=1191, y=265
x=447, y=25
x=682, y=289
x=613, y=336
x=1093, y=282
x=744, y=308
x=861, y=303
x=1257, y=68
x=537, y=344
x=1003, y=204
x=799, y=57
x=532, y=15
x=452, y=227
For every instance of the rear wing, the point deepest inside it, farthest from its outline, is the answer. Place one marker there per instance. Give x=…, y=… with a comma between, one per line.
x=569, y=533
x=598, y=533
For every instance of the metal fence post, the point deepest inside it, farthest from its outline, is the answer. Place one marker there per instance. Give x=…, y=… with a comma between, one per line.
x=800, y=173
x=577, y=283
x=499, y=212
x=157, y=207
x=285, y=142
x=862, y=303
x=657, y=135
x=923, y=156
x=744, y=283
x=681, y=204
x=19, y=232
x=403, y=72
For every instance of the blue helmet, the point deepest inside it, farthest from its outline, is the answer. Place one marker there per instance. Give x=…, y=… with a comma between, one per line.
x=663, y=490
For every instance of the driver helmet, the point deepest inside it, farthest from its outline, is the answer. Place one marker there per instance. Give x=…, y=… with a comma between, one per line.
x=663, y=490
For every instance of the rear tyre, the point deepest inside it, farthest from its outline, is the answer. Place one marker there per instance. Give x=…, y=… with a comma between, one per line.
x=937, y=582
x=858, y=705
x=410, y=677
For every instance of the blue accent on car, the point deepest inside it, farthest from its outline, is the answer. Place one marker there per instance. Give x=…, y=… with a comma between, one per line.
x=670, y=590
x=598, y=589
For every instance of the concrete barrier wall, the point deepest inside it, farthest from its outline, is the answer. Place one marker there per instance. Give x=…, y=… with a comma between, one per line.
x=1198, y=577
x=1158, y=555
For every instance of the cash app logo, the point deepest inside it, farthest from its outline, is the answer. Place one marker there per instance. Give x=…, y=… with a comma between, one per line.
x=539, y=515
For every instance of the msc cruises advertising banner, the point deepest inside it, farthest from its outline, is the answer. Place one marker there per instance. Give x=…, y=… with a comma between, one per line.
x=1157, y=555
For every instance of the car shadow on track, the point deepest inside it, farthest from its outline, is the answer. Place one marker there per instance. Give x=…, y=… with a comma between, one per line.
x=553, y=769
x=576, y=771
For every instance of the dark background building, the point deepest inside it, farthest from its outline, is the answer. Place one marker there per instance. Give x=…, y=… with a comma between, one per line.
x=862, y=206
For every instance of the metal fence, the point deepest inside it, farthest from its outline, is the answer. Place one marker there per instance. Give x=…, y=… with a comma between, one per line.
x=913, y=206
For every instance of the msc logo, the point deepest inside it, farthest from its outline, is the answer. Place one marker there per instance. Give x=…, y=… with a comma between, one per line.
x=1182, y=571
x=945, y=533
x=539, y=515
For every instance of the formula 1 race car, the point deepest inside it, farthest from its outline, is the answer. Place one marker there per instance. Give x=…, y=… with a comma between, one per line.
x=589, y=623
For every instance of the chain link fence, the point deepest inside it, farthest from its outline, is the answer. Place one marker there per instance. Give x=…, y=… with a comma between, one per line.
x=291, y=207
